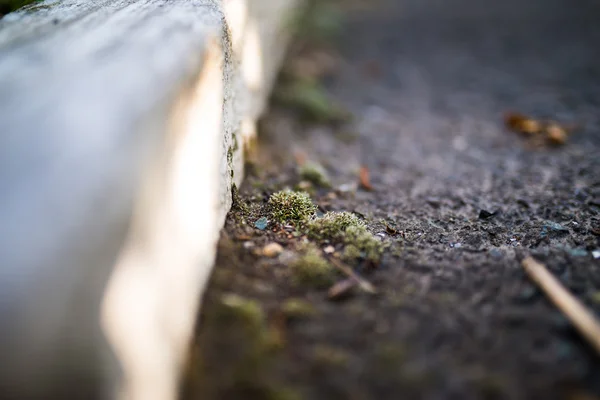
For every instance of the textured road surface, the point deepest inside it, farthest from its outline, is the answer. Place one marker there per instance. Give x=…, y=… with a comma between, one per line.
x=428, y=82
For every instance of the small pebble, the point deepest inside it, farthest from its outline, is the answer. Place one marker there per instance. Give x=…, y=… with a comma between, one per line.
x=261, y=224
x=248, y=245
x=329, y=250
x=272, y=250
x=596, y=254
x=304, y=185
x=347, y=187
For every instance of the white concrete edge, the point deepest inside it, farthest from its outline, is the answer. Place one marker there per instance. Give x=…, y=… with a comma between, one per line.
x=116, y=165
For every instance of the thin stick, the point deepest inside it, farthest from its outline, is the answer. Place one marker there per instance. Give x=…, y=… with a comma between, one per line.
x=362, y=283
x=583, y=320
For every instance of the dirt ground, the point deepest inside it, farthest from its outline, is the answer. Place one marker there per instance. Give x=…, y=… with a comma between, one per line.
x=457, y=201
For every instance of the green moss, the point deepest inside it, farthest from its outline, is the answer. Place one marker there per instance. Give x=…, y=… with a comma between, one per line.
x=315, y=174
x=332, y=226
x=370, y=247
x=312, y=269
x=243, y=310
x=238, y=204
x=297, y=308
x=351, y=253
x=283, y=393
x=346, y=228
x=287, y=206
x=7, y=6
x=390, y=356
x=311, y=100
x=320, y=22
x=236, y=353
x=331, y=356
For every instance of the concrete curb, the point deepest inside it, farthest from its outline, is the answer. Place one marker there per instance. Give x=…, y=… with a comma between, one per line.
x=123, y=126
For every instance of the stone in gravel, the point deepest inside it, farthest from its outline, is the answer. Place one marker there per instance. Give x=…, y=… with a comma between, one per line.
x=272, y=250
x=329, y=250
x=485, y=214
x=261, y=224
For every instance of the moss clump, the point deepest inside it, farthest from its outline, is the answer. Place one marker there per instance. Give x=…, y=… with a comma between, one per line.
x=236, y=350
x=351, y=253
x=311, y=100
x=237, y=203
x=287, y=206
x=346, y=228
x=332, y=226
x=297, y=308
x=315, y=174
x=319, y=22
x=312, y=269
x=330, y=356
x=370, y=247
x=7, y=6
x=242, y=310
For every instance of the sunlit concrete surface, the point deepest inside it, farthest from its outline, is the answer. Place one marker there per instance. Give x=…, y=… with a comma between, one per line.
x=122, y=127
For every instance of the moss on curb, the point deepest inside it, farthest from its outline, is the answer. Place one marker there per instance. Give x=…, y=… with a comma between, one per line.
x=332, y=226
x=288, y=206
x=370, y=247
x=312, y=101
x=348, y=229
x=297, y=308
x=315, y=174
x=311, y=269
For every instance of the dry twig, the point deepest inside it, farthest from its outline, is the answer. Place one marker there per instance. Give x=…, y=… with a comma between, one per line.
x=362, y=283
x=583, y=320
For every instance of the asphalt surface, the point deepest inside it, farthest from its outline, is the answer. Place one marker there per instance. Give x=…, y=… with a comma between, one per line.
x=428, y=83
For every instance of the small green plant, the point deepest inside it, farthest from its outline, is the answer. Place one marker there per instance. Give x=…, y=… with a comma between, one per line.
x=347, y=228
x=312, y=269
x=7, y=6
x=311, y=100
x=288, y=206
x=332, y=226
x=244, y=310
x=315, y=174
x=297, y=308
x=332, y=356
x=238, y=348
x=320, y=22
x=370, y=247
x=351, y=252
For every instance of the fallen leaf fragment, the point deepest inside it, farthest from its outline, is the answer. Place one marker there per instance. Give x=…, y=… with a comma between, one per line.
x=300, y=157
x=556, y=134
x=365, y=178
x=390, y=230
x=573, y=309
x=523, y=124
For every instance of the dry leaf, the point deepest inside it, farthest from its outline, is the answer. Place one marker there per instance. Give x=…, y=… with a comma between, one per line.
x=365, y=179
x=300, y=157
x=556, y=134
x=523, y=124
